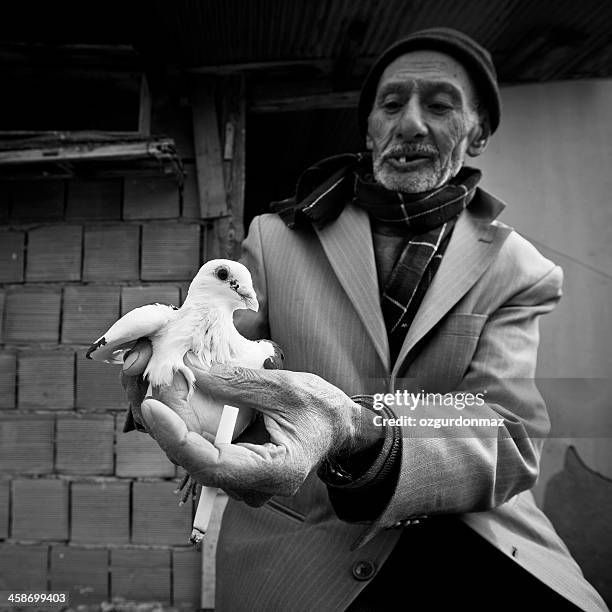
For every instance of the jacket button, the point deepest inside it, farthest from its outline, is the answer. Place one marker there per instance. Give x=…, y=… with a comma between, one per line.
x=364, y=570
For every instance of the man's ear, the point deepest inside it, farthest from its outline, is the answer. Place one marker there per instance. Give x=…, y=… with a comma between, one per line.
x=480, y=136
x=369, y=144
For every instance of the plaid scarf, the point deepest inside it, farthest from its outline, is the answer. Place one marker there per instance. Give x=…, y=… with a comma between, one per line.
x=416, y=212
x=322, y=193
x=431, y=218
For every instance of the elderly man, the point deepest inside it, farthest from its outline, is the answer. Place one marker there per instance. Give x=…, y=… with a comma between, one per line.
x=387, y=279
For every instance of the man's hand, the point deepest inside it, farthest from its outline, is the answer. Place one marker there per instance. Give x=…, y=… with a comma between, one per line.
x=306, y=418
x=201, y=412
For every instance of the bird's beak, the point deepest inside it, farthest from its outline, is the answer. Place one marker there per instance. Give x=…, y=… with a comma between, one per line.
x=249, y=298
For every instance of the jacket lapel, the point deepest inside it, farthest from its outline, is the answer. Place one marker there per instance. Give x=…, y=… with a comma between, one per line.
x=473, y=246
x=348, y=246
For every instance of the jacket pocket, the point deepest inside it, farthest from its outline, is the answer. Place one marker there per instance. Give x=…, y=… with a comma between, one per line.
x=443, y=360
x=463, y=324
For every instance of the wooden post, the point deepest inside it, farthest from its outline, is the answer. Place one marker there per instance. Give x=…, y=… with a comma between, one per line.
x=209, y=165
x=221, y=161
x=234, y=160
x=228, y=227
x=144, y=113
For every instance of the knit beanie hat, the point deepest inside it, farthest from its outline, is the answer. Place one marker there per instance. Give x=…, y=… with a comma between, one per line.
x=475, y=58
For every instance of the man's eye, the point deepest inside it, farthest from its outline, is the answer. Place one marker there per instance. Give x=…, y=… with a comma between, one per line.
x=439, y=107
x=392, y=107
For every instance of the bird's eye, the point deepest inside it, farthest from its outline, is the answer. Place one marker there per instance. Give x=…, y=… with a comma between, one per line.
x=222, y=273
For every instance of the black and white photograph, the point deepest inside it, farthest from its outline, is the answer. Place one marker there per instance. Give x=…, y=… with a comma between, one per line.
x=306, y=306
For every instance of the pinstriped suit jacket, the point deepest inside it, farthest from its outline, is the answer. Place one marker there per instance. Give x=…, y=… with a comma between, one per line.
x=477, y=326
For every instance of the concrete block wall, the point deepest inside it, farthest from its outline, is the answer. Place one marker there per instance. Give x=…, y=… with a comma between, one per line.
x=83, y=506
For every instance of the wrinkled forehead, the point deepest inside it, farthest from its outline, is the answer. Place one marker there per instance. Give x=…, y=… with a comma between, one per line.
x=429, y=67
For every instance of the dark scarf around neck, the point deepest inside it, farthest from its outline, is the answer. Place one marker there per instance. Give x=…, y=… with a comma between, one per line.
x=324, y=189
x=417, y=212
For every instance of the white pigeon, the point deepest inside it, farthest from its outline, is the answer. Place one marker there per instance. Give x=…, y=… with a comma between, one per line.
x=203, y=325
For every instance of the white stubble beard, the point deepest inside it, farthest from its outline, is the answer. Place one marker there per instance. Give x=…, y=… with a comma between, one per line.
x=433, y=177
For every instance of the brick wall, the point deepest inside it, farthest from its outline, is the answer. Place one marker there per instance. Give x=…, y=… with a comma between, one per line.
x=83, y=506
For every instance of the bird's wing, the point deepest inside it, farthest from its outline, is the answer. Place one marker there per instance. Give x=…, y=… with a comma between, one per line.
x=122, y=336
x=257, y=354
x=276, y=360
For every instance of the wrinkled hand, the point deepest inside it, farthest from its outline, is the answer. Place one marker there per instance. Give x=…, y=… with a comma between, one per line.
x=201, y=413
x=305, y=418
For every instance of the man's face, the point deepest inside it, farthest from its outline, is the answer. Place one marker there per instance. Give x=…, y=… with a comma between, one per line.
x=422, y=122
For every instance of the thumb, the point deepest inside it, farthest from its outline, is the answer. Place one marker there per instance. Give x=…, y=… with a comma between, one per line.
x=198, y=411
x=167, y=427
x=136, y=360
x=175, y=397
x=183, y=447
x=174, y=394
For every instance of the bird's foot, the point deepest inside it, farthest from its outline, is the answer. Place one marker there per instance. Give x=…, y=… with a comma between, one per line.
x=187, y=486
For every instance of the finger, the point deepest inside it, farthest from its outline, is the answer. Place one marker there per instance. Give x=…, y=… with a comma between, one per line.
x=199, y=414
x=164, y=425
x=135, y=408
x=242, y=387
x=183, y=447
x=136, y=390
x=199, y=369
x=137, y=359
x=242, y=468
x=134, y=386
x=279, y=474
x=176, y=392
x=269, y=452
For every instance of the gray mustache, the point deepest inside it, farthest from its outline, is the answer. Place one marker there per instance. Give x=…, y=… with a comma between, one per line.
x=399, y=150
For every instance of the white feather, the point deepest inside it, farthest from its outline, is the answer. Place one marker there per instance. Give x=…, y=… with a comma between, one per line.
x=143, y=322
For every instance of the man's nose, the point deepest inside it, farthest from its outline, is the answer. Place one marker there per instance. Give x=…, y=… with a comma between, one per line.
x=411, y=122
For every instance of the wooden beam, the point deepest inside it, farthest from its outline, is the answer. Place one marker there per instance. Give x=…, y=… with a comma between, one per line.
x=114, y=57
x=209, y=165
x=319, y=65
x=312, y=66
x=159, y=148
x=45, y=172
x=338, y=99
x=71, y=136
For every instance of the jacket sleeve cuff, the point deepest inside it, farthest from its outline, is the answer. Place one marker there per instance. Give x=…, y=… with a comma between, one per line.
x=360, y=484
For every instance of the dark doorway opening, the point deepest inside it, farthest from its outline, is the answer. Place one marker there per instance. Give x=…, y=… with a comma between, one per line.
x=280, y=146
